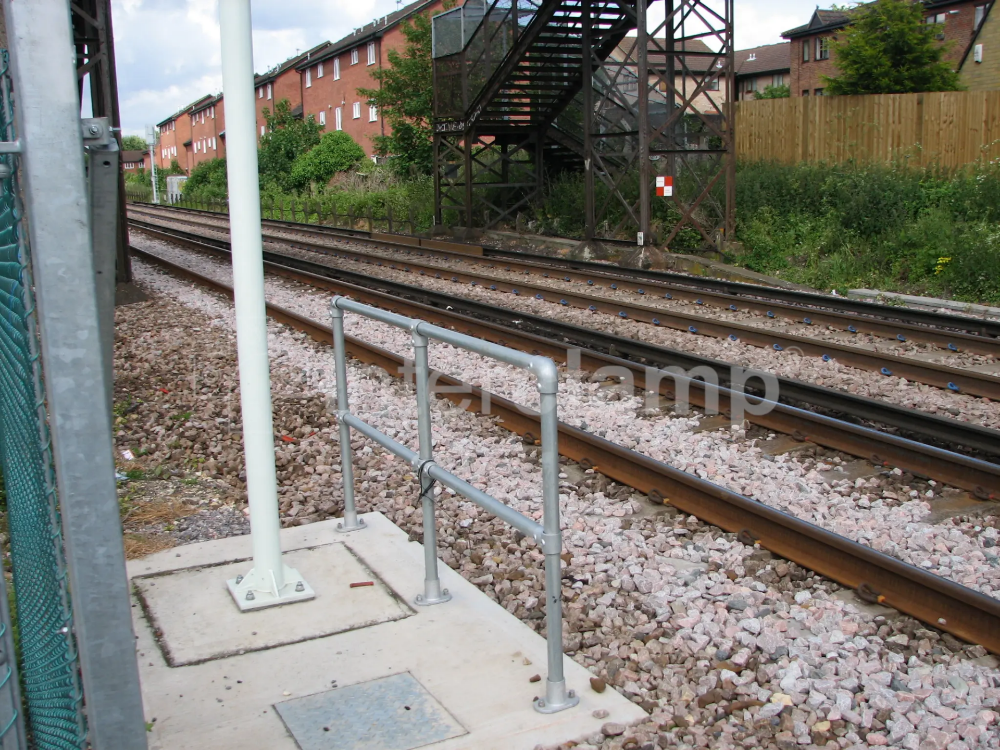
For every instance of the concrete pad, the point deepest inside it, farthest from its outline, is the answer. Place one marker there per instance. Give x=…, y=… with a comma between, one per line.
x=207, y=627
x=785, y=444
x=472, y=657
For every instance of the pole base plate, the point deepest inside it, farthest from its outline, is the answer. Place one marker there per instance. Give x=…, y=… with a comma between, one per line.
x=254, y=591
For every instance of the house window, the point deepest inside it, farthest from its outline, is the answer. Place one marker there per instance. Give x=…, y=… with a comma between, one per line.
x=354, y=56
x=309, y=77
x=818, y=92
x=260, y=92
x=357, y=110
x=322, y=117
x=750, y=85
x=336, y=119
x=269, y=91
x=196, y=147
x=938, y=18
x=805, y=50
x=261, y=131
x=336, y=68
x=805, y=92
x=823, y=48
x=319, y=70
x=371, y=53
x=778, y=79
x=713, y=84
x=372, y=113
x=980, y=15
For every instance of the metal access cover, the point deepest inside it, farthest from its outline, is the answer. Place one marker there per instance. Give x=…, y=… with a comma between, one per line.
x=390, y=713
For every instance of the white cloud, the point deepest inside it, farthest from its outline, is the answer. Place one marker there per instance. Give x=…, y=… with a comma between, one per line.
x=168, y=51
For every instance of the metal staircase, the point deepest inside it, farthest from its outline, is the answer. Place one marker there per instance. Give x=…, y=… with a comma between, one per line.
x=527, y=89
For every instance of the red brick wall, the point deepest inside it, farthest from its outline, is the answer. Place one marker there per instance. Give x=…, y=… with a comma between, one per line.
x=288, y=86
x=205, y=131
x=326, y=94
x=957, y=29
x=172, y=136
x=806, y=76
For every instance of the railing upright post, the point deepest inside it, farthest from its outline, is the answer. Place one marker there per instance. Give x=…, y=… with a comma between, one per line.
x=351, y=521
x=433, y=593
x=557, y=697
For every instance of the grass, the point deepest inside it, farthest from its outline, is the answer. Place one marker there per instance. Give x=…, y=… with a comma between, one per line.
x=921, y=231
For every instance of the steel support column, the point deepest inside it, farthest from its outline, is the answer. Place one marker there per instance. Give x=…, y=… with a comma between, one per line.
x=54, y=189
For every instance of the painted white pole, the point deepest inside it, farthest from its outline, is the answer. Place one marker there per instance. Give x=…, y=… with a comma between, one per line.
x=270, y=582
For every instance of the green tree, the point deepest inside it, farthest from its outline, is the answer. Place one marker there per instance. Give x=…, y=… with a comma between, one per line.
x=889, y=49
x=773, y=92
x=404, y=98
x=285, y=139
x=134, y=143
x=335, y=152
x=208, y=181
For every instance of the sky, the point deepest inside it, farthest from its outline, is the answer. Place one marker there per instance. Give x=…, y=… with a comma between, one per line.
x=168, y=51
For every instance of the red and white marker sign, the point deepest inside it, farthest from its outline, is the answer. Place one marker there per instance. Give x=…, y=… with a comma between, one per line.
x=664, y=186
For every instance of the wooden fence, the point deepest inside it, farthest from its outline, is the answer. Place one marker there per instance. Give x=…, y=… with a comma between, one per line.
x=949, y=129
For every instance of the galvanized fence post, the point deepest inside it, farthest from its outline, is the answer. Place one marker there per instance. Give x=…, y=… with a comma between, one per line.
x=433, y=593
x=351, y=521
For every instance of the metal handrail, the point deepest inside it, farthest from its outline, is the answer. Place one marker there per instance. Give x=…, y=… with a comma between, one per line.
x=547, y=534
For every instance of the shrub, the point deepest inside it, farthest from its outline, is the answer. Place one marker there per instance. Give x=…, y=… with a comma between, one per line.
x=208, y=181
x=335, y=152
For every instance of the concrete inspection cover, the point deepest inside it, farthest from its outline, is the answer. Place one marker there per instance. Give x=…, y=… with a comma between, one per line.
x=198, y=620
x=390, y=713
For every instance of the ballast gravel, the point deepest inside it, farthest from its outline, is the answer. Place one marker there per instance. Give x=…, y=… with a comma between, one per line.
x=724, y=645
x=887, y=510
x=786, y=363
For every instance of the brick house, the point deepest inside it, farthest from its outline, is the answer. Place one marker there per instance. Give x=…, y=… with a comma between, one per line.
x=811, y=52
x=331, y=78
x=208, y=131
x=760, y=67
x=708, y=101
x=175, y=132
x=133, y=161
x=282, y=82
x=979, y=68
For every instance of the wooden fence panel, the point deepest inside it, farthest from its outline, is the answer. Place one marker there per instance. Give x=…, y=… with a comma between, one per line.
x=949, y=128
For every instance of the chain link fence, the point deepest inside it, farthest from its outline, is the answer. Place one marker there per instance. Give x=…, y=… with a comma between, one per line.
x=49, y=672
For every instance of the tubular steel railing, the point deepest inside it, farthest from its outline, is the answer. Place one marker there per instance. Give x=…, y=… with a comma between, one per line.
x=547, y=534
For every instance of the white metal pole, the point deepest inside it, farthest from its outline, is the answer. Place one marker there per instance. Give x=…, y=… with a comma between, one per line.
x=151, y=142
x=270, y=581
x=152, y=169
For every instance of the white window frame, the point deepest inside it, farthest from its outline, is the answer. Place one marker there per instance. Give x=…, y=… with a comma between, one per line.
x=309, y=77
x=336, y=68
x=354, y=56
x=371, y=53
x=262, y=127
x=356, y=111
x=260, y=92
x=322, y=117
x=372, y=113
x=980, y=14
x=270, y=91
x=319, y=70
x=338, y=119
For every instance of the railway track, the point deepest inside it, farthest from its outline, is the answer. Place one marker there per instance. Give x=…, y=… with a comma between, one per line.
x=870, y=313
x=877, y=577
x=929, y=429
x=941, y=376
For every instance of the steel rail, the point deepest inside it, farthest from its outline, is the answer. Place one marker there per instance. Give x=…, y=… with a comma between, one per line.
x=907, y=316
x=933, y=429
x=851, y=323
x=946, y=605
x=929, y=373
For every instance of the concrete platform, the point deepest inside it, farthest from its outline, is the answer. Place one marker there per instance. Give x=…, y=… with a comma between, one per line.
x=332, y=670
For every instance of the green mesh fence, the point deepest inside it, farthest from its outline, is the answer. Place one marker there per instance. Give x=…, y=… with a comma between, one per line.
x=48, y=663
